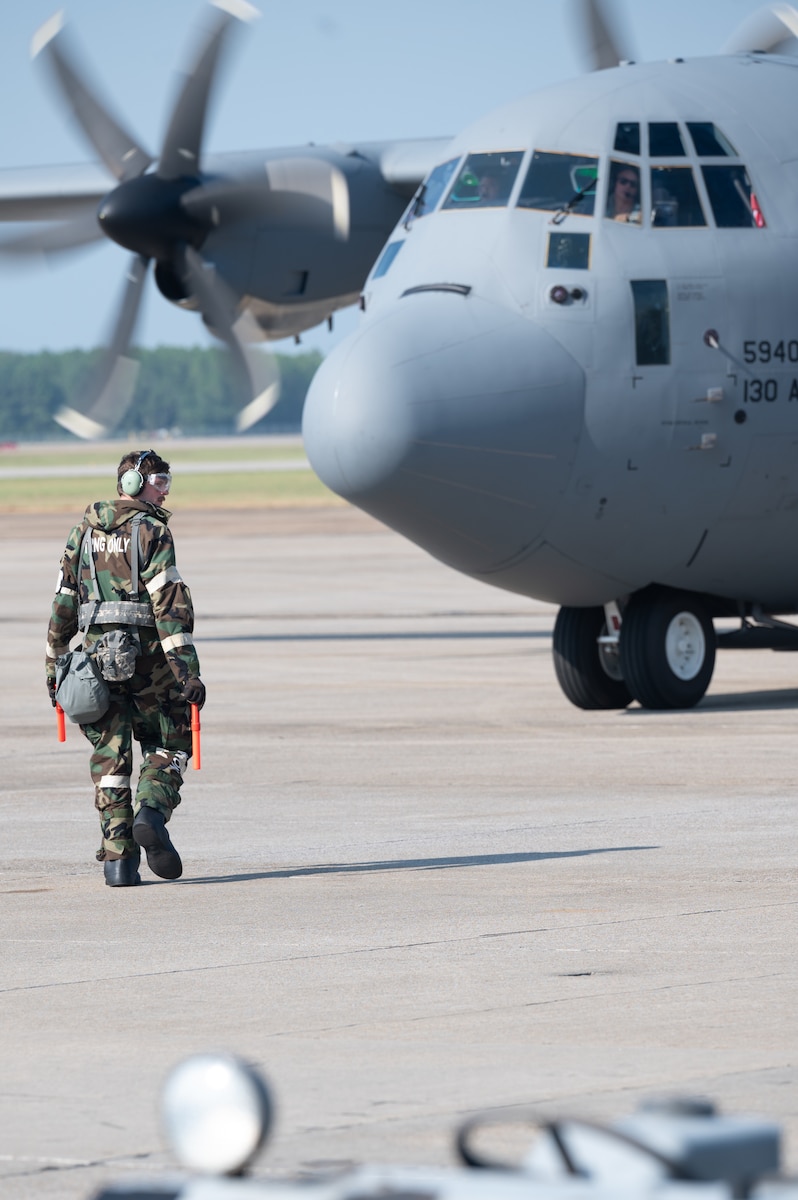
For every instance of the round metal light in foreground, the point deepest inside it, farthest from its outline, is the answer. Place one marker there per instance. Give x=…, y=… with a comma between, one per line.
x=216, y=1113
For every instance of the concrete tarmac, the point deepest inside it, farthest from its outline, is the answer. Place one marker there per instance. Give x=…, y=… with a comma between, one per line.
x=418, y=883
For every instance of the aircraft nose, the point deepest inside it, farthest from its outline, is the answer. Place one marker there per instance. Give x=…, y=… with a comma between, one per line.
x=453, y=421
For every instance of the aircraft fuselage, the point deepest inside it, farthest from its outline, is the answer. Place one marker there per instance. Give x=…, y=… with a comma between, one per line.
x=574, y=407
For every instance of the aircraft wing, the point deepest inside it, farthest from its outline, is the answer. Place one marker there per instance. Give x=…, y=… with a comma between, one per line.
x=55, y=193
x=265, y=211
x=405, y=164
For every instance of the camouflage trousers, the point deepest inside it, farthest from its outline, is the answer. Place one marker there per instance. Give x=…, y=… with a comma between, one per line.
x=148, y=709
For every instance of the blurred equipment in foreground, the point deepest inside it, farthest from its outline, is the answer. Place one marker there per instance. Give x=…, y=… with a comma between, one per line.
x=217, y=1112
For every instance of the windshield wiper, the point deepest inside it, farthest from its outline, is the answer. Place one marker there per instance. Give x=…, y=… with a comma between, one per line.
x=416, y=206
x=563, y=212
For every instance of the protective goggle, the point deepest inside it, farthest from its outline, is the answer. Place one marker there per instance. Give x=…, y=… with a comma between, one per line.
x=163, y=480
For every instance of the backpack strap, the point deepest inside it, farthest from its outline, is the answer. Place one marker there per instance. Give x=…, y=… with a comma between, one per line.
x=135, y=551
x=87, y=610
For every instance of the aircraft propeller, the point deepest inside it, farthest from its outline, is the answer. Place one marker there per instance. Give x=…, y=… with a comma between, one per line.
x=164, y=216
x=768, y=30
x=601, y=44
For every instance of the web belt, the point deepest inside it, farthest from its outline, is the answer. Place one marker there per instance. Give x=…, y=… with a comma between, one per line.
x=114, y=612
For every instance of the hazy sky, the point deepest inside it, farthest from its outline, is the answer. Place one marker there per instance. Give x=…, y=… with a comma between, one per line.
x=307, y=70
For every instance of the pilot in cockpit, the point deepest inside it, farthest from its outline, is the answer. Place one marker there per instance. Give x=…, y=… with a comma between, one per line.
x=623, y=202
x=489, y=189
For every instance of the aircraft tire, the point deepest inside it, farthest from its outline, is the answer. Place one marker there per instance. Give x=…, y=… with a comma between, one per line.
x=589, y=676
x=667, y=649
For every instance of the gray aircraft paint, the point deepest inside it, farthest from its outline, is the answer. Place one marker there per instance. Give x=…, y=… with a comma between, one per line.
x=517, y=439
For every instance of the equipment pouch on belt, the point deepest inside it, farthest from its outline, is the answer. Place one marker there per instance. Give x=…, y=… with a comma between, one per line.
x=80, y=688
x=116, y=652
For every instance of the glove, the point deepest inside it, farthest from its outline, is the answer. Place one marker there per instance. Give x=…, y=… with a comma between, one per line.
x=51, y=691
x=194, y=692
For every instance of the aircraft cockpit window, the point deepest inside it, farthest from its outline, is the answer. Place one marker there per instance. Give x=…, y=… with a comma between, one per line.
x=388, y=255
x=433, y=187
x=623, y=197
x=733, y=200
x=674, y=199
x=627, y=137
x=664, y=140
x=708, y=140
x=560, y=183
x=569, y=250
x=485, y=181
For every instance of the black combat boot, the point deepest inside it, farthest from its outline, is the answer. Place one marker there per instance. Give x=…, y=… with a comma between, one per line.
x=149, y=830
x=122, y=872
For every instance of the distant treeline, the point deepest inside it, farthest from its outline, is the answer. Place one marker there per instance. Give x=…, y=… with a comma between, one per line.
x=192, y=391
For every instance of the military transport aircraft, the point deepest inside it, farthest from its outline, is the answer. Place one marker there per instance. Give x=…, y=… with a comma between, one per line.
x=576, y=373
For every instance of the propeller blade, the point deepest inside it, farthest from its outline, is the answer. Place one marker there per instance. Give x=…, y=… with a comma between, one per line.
x=53, y=239
x=299, y=193
x=218, y=307
x=263, y=371
x=110, y=406
x=182, y=145
x=117, y=148
x=601, y=46
x=765, y=30
x=111, y=387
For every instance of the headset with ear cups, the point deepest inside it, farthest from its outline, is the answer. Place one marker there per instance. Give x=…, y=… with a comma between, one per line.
x=132, y=481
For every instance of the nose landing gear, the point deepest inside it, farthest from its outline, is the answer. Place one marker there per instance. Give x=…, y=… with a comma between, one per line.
x=667, y=649
x=664, y=658
x=587, y=670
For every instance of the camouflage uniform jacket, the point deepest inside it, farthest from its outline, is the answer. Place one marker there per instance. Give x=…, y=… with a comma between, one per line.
x=160, y=585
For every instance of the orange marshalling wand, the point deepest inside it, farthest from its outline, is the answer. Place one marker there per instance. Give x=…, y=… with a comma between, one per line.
x=60, y=722
x=196, y=753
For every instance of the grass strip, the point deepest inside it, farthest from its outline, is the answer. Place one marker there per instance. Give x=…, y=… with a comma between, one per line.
x=281, y=489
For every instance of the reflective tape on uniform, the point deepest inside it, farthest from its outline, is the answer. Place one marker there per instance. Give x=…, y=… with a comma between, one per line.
x=177, y=639
x=170, y=575
x=67, y=591
x=114, y=781
x=57, y=651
